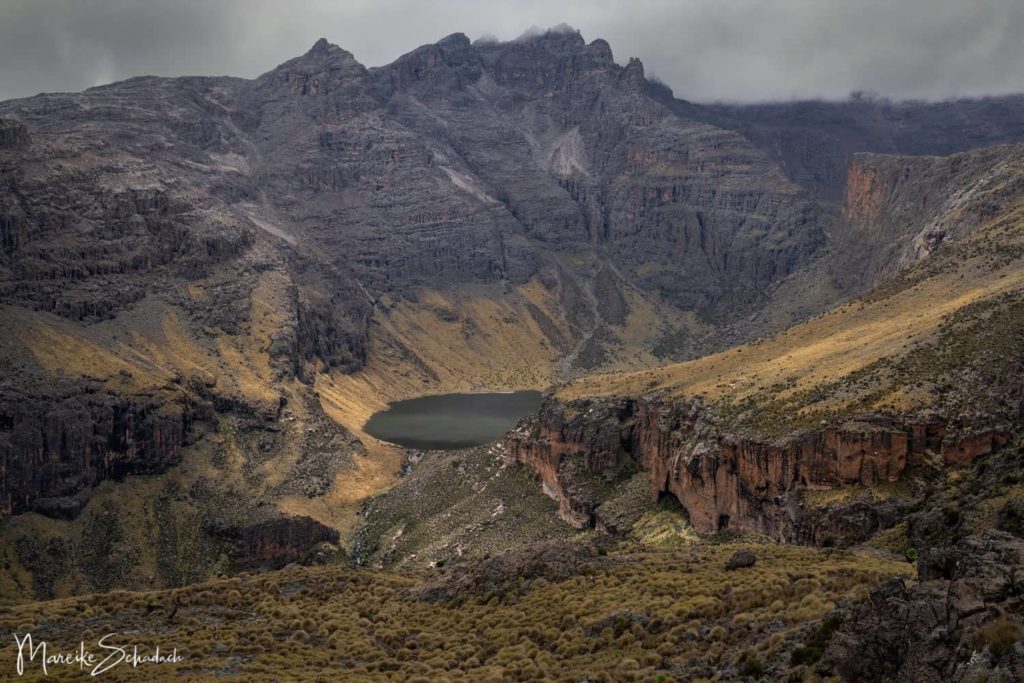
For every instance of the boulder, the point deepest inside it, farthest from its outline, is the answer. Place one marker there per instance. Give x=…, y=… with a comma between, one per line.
x=741, y=559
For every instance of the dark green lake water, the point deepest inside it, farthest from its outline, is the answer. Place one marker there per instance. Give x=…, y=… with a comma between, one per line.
x=450, y=421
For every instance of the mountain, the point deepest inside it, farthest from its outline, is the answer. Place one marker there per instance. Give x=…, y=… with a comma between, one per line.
x=815, y=141
x=799, y=322
x=218, y=265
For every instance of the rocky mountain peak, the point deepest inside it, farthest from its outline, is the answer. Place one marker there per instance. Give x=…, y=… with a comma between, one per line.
x=457, y=39
x=600, y=50
x=443, y=67
x=633, y=74
x=538, y=57
x=324, y=82
x=320, y=46
x=322, y=54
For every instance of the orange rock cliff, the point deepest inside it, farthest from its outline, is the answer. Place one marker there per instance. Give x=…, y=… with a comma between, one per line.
x=725, y=481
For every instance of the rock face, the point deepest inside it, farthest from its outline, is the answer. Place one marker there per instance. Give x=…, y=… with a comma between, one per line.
x=53, y=453
x=572, y=150
x=957, y=624
x=372, y=182
x=56, y=444
x=816, y=141
x=274, y=543
x=727, y=482
x=13, y=134
x=899, y=209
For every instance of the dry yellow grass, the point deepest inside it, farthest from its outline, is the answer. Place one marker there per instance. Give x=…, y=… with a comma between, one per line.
x=59, y=349
x=626, y=617
x=480, y=340
x=822, y=349
x=645, y=323
x=339, y=506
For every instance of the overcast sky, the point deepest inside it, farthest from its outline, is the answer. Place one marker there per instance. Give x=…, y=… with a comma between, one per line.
x=737, y=50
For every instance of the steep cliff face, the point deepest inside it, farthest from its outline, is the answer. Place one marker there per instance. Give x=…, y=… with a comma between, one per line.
x=13, y=134
x=724, y=481
x=815, y=141
x=568, y=143
x=900, y=209
x=53, y=453
x=274, y=543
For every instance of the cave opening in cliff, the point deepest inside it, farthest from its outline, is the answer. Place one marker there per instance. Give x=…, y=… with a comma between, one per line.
x=668, y=501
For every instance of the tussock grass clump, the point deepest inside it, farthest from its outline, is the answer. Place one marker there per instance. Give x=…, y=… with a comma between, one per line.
x=999, y=636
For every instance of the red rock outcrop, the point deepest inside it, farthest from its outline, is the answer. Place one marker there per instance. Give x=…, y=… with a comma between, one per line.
x=728, y=482
x=864, y=192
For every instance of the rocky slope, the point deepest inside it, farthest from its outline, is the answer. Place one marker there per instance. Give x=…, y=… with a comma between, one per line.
x=925, y=368
x=891, y=635
x=815, y=141
x=900, y=209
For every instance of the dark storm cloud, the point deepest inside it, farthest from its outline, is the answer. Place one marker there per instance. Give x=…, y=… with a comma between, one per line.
x=705, y=49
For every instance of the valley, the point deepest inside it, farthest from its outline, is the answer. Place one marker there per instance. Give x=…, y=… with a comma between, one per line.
x=500, y=361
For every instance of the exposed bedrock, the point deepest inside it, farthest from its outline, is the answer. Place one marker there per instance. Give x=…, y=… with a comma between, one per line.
x=13, y=134
x=945, y=627
x=54, y=451
x=732, y=482
x=900, y=209
x=276, y=542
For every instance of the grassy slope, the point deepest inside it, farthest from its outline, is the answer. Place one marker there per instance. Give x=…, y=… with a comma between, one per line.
x=685, y=613
x=847, y=347
x=460, y=503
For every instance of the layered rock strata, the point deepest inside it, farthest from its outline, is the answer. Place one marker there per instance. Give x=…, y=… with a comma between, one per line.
x=725, y=481
x=53, y=452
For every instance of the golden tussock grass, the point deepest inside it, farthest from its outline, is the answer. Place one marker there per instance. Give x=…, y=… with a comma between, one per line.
x=637, y=618
x=844, y=340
